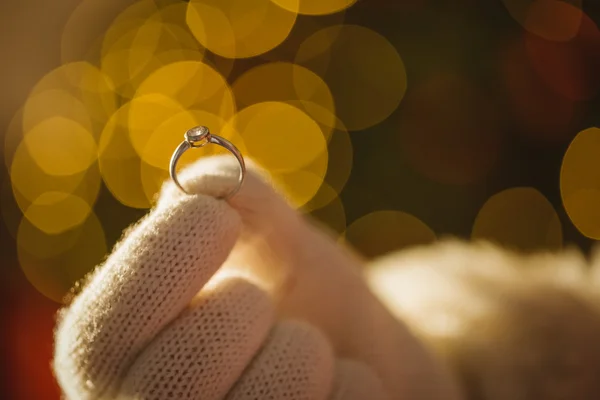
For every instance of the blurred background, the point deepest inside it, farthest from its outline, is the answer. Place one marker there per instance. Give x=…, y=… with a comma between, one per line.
x=394, y=122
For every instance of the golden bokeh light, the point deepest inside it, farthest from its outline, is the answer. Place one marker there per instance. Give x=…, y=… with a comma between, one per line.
x=300, y=186
x=521, y=218
x=54, y=263
x=57, y=212
x=580, y=182
x=119, y=162
x=461, y=144
x=144, y=114
x=304, y=27
x=42, y=244
x=339, y=166
x=61, y=146
x=315, y=7
x=569, y=68
x=135, y=47
x=78, y=91
x=153, y=178
x=192, y=84
x=54, y=103
x=290, y=83
x=381, y=232
x=554, y=20
x=29, y=181
x=178, y=87
x=239, y=29
x=278, y=136
x=364, y=71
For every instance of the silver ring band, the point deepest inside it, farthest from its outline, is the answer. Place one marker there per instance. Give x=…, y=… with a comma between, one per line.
x=198, y=137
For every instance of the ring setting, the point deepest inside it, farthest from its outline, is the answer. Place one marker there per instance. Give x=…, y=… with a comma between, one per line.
x=200, y=136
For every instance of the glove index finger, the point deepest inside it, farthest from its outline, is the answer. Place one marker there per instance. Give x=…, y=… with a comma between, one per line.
x=150, y=277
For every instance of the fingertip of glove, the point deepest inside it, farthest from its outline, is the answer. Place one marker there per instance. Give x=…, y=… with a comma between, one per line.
x=213, y=176
x=216, y=176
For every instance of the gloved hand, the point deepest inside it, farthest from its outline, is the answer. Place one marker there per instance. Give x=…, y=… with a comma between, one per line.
x=238, y=299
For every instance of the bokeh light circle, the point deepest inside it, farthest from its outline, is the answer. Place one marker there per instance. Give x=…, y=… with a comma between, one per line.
x=304, y=27
x=144, y=114
x=278, y=136
x=54, y=103
x=119, y=163
x=77, y=91
x=54, y=263
x=520, y=218
x=340, y=155
x=239, y=29
x=61, y=146
x=315, y=7
x=29, y=181
x=382, y=232
x=287, y=82
x=549, y=19
x=363, y=70
x=173, y=89
x=580, y=182
x=56, y=212
x=145, y=44
x=192, y=84
x=299, y=187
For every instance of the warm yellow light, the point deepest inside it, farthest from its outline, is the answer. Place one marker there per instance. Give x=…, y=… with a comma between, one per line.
x=239, y=29
x=290, y=83
x=520, y=218
x=175, y=88
x=29, y=181
x=54, y=103
x=299, y=187
x=54, y=263
x=144, y=114
x=363, y=70
x=119, y=162
x=382, y=232
x=278, y=136
x=61, y=146
x=580, y=182
x=78, y=91
x=315, y=7
x=147, y=43
x=56, y=212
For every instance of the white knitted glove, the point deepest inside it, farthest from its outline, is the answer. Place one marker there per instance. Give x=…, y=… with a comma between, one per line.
x=244, y=299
